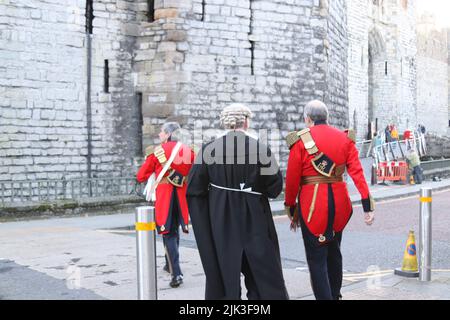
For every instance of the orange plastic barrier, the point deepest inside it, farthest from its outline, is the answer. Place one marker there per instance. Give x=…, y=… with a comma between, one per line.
x=392, y=171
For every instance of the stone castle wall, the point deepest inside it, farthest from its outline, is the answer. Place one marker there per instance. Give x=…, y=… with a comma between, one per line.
x=42, y=90
x=382, y=66
x=43, y=77
x=432, y=81
x=272, y=55
x=362, y=57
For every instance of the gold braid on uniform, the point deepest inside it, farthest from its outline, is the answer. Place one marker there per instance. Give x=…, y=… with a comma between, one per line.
x=292, y=138
x=160, y=155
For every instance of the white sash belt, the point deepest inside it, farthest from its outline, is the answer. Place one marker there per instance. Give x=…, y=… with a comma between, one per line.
x=149, y=191
x=248, y=190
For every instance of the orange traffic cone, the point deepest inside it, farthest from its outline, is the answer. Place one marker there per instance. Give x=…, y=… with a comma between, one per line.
x=409, y=267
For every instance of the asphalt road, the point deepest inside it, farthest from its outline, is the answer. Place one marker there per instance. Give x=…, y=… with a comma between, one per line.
x=35, y=255
x=380, y=246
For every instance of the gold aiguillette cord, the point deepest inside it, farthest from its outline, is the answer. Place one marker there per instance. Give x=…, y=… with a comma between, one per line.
x=313, y=203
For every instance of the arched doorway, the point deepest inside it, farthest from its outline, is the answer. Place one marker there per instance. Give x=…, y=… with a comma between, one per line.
x=377, y=73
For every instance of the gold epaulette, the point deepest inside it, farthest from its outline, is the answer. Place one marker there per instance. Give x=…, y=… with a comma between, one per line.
x=351, y=134
x=160, y=154
x=308, y=141
x=305, y=136
x=292, y=138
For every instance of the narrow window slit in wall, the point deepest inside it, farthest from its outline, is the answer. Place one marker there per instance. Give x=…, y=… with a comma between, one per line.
x=106, y=77
x=401, y=66
x=252, y=51
x=89, y=16
x=386, y=68
x=138, y=119
x=203, y=9
x=151, y=10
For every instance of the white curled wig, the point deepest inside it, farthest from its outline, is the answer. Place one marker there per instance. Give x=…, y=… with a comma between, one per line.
x=234, y=116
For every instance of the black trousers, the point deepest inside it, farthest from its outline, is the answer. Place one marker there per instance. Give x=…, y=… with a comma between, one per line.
x=250, y=283
x=171, y=240
x=325, y=268
x=324, y=260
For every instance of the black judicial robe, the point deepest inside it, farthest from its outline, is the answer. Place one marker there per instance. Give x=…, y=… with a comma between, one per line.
x=230, y=225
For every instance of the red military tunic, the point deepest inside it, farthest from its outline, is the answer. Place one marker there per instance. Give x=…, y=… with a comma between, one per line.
x=182, y=164
x=341, y=149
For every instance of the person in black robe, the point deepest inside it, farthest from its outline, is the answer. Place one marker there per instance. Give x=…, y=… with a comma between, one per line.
x=228, y=190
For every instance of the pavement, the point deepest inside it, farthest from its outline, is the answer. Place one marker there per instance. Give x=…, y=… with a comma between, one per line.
x=94, y=257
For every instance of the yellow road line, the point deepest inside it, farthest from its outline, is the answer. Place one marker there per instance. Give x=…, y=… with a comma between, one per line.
x=368, y=273
x=368, y=277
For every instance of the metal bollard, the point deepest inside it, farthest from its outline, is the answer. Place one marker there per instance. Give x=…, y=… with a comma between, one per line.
x=146, y=253
x=425, y=234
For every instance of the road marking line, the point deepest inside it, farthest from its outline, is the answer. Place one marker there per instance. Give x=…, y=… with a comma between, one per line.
x=367, y=273
x=116, y=231
x=440, y=270
x=370, y=275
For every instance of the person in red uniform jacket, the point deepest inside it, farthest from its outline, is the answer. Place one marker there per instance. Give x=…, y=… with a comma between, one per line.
x=319, y=156
x=171, y=208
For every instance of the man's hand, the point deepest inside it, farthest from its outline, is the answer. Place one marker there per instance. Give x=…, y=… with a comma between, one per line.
x=292, y=213
x=289, y=211
x=369, y=218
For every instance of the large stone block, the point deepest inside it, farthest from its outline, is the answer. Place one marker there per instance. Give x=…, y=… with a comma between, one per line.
x=166, y=13
x=174, y=57
x=176, y=35
x=167, y=46
x=150, y=130
x=157, y=110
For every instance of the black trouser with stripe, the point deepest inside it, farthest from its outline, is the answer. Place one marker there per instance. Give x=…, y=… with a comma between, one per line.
x=324, y=260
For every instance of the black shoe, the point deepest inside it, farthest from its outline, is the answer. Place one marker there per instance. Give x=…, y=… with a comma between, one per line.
x=176, y=281
x=166, y=268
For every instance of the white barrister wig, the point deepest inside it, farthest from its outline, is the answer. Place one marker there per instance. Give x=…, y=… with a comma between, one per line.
x=234, y=115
